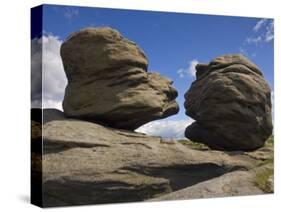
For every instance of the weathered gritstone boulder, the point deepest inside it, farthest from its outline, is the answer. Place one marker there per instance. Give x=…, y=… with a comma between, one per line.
x=231, y=103
x=108, y=81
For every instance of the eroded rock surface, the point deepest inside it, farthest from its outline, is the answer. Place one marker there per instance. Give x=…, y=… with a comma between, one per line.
x=231, y=103
x=86, y=163
x=108, y=81
x=237, y=183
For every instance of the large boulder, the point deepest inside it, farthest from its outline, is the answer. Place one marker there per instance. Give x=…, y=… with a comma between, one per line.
x=231, y=103
x=108, y=81
x=87, y=163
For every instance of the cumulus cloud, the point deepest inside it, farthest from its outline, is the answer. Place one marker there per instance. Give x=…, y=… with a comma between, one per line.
x=47, y=73
x=166, y=128
x=36, y=74
x=190, y=70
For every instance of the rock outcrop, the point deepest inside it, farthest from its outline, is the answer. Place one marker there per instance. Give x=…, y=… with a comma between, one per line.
x=86, y=163
x=231, y=103
x=108, y=81
x=237, y=183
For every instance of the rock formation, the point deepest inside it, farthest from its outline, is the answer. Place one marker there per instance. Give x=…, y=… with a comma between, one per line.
x=108, y=81
x=229, y=184
x=231, y=103
x=86, y=163
x=90, y=155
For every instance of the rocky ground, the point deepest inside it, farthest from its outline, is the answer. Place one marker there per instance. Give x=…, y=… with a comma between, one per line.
x=86, y=163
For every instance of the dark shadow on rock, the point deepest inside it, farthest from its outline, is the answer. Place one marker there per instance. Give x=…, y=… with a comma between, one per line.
x=183, y=176
x=46, y=115
x=71, y=192
x=52, y=114
x=50, y=147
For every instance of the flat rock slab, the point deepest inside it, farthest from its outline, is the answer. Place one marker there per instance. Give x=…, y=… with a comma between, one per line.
x=237, y=183
x=86, y=163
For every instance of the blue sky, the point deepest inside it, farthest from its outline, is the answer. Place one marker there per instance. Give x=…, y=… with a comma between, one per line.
x=173, y=42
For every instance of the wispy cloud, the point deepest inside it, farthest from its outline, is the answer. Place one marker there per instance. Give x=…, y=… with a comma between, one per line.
x=181, y=72
x=243, y=51
x=190, y=70
x=254, y=40
x=269, y=35
x=259, y=24
x=261, y=33
x=69, y=13
x=166, y=128
x=265, y=30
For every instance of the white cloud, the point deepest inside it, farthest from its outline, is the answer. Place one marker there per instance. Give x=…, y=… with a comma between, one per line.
x=254, y=40
x=191, y=70
x=269, y=32
x=47, y=104
x=36, y=74
x=49, y=68
x=54, y=79
x=265, y=27
x=259, y=24
x=166, y=128
x=69, y=13
x=52, y=104
x=262, y=33
x=243, y=51
x=181, y=72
